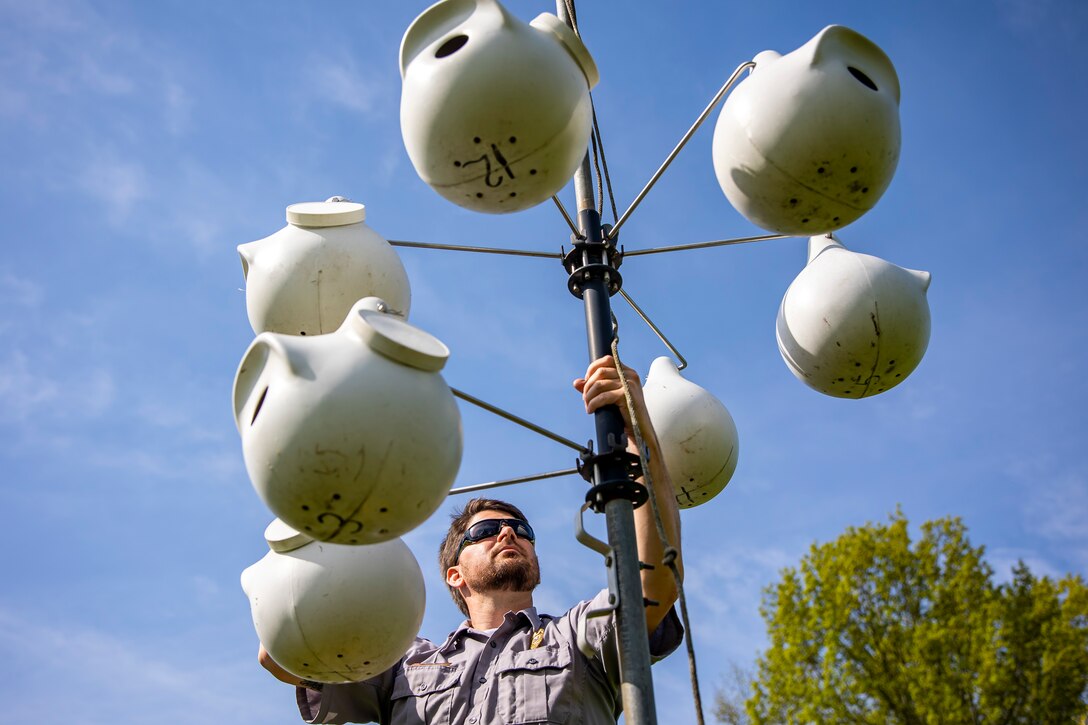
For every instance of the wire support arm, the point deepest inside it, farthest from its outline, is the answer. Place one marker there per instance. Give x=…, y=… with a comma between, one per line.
x=704, y=245
x=480, y=250
x=683, y=142
x=516, y=419
x=570, y=222
x=652, y=326
x=512, y=481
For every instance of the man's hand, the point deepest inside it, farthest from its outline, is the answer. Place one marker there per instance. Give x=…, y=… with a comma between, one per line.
x=601, y=386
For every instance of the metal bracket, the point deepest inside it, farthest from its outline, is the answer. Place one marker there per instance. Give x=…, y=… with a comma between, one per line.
x=593, y=259
x=591, y=542
x=605, y=491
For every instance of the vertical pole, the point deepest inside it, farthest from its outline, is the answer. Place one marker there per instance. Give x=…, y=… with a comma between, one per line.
x=636, y=682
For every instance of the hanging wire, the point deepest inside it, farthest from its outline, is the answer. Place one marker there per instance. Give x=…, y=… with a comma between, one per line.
x=600, y=163
x=670, y=553
x=604, y=161
x=597, y=171
x=573, y=16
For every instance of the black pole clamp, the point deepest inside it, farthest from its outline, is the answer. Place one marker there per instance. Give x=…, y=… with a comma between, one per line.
x=593, y=259
x=618, y=459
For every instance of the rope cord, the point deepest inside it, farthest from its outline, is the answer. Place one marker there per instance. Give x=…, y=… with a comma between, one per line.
x=669, y=558
x=604, y=162
x=573, y=16
x=597, y=173
x=597, y=143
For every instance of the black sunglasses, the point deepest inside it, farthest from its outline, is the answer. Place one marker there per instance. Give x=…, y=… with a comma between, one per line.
x=491, y=527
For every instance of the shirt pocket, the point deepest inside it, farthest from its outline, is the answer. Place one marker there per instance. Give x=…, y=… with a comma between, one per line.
x=536, y=685
x=424, y=694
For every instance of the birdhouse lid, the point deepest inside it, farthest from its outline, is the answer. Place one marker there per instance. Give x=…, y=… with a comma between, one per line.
x=282, y=538
x=325, y=213
x=399, y=341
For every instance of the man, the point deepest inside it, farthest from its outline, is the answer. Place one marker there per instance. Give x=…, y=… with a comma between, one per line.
x=506, y=663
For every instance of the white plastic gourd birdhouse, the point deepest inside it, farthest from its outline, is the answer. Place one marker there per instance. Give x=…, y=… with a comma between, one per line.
x=333, y=613
x=303, y=279
x=697, y=434
x=351, y=437
x=810, y=140
x=495, y=113
x=852, y=325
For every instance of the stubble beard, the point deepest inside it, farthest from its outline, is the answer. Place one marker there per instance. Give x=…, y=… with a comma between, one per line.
x=518, y=574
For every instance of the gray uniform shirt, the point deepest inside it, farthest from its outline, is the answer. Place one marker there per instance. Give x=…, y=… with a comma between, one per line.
x=529, y=670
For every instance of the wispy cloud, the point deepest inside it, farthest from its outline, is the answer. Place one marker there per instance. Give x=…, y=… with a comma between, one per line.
x=27, y=393
x=105, y=674
x=727, y=591
x=99, y=77
x=19, y=291
x=1004, y=559
x=336, y=78
x=1057, y=511
x=177, y=107
x=23, y=391
x=117, y=182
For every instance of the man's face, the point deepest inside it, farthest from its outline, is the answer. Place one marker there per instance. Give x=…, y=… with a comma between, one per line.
x=505, y=562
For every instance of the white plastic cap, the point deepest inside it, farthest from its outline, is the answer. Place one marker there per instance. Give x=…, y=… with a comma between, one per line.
x=325, y=213
x=397, y=340
x=282, y=538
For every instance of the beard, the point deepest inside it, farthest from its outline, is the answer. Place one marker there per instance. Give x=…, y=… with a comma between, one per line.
x=514, y=574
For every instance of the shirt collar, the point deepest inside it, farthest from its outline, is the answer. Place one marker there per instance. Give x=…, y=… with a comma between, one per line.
x=511, y=621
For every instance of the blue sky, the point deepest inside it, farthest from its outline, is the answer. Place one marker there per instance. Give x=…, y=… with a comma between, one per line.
x=142, y=142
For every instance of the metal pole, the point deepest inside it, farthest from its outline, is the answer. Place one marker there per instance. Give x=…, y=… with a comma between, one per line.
x=636, y=682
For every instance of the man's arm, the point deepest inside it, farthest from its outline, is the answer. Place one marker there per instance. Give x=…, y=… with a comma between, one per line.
x=601, y=386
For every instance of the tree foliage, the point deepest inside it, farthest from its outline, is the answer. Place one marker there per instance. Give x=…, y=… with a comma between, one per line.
x=873, y=629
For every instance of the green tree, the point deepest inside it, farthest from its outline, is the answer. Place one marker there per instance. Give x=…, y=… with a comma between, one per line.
x=873, y=629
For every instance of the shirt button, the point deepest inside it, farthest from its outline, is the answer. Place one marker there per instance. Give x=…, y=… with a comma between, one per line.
x=472, y=720
x=494, y=644
x=482, y=680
